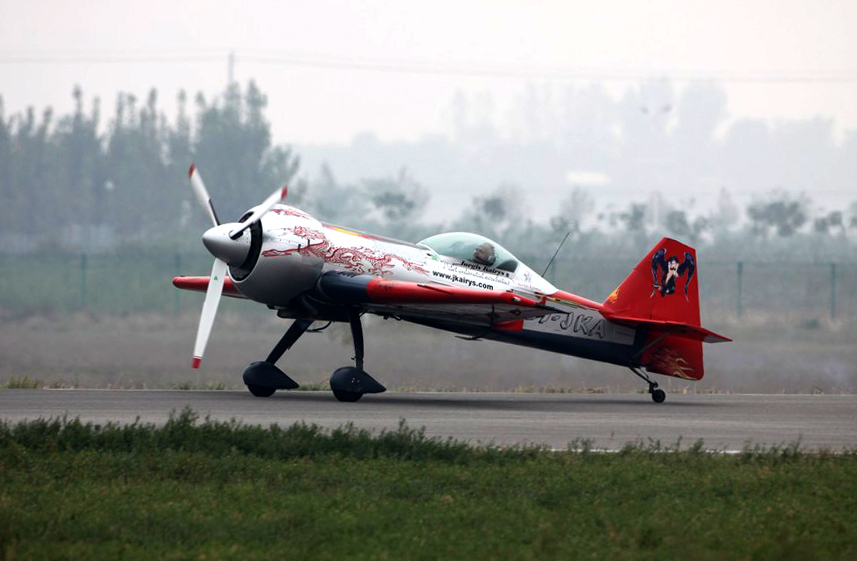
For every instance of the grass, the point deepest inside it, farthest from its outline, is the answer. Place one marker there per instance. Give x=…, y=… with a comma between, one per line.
x=24, y=383
x=214, y=490
x=189, y=386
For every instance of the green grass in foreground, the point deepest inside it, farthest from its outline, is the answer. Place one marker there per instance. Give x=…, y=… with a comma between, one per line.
x=227, y=491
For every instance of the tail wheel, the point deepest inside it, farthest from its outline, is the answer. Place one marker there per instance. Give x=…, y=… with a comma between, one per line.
x=658, y=395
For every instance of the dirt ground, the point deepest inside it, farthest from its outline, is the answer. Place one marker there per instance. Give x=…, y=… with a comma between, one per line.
x=154, y=351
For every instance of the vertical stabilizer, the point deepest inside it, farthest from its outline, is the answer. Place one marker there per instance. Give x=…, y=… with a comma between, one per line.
x=661, y=298
x=663, y=286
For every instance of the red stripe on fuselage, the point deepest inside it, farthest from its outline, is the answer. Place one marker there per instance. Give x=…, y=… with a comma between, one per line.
x=575, y=299
x=392, y=292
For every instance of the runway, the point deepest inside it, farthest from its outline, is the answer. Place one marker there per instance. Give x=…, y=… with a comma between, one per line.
x=723, y=422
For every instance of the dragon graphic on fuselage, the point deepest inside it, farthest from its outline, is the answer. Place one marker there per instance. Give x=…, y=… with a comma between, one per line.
x=358, y=260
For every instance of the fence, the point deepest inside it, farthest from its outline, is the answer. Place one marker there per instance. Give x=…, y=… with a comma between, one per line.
x=797, y=292
x=140, y=281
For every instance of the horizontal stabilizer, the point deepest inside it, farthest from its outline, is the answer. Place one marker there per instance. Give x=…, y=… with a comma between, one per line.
x=684, y=330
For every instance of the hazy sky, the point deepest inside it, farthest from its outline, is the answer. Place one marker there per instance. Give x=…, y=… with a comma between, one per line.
x=781, y=58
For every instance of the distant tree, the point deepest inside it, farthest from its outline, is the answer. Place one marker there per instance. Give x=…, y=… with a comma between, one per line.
x=680, y=226
x=79, y=169
x=399, y=199
x=143, y=204
x=233, y=145
x=334, y=202
x=64, y=180
x=32, y=211
x=781, y=212
x=179, y=155
x=5, y=146
x=7, y=194
x=828, y=222
x=574, y=209
x=634, y=218
x=499, y=214
x=725, y=215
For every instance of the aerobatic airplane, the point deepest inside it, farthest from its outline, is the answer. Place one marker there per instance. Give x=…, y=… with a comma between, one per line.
x=311, y=271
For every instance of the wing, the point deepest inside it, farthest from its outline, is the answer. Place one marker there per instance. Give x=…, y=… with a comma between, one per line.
x=200, y=284
x=687, y=266
x=404, y=299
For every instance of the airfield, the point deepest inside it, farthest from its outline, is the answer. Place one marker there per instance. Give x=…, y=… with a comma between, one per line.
x=608, y=421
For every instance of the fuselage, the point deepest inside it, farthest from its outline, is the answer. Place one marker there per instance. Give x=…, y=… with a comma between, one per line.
x=296, y=250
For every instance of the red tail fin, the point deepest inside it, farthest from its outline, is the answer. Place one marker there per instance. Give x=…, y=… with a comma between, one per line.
x=661, y=295
x=663, y=286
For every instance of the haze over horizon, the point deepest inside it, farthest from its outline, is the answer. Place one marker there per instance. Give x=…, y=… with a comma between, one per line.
x=341, y=76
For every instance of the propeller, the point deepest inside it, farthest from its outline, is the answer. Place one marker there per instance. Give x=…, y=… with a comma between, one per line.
x=202, y=193
x=276, y=197
x=209, y=310
x=225, y=242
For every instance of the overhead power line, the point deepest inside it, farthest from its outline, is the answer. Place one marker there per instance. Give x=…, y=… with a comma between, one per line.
x=425, y=67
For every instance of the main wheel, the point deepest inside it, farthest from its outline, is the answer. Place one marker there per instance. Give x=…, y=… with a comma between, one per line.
x=348, y=397
x=658, y=395
x=261, y=391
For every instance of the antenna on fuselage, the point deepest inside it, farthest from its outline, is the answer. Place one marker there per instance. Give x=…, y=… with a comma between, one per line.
x=556, y=253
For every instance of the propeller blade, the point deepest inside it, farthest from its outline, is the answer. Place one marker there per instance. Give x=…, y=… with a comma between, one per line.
x=202, y=193
x=276, y=197
x=209, y=309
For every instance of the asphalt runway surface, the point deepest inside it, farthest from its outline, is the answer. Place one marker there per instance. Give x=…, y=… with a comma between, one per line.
x=723, y=422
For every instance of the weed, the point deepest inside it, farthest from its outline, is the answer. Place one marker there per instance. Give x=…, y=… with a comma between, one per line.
x=314, y=386
x=22, y=384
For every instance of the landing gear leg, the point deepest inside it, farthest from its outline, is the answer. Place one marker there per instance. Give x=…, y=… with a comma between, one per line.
x=357, y=336
x=294, y=333
x=349, y=383
x=658, y=395
x=263, y=378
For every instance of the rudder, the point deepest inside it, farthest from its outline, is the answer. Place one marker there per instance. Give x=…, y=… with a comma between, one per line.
x=661, y=297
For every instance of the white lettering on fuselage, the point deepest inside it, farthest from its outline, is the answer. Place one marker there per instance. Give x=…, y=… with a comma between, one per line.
x=474, y=276
x=482, y=268
x=470, y=283
x=584, y=323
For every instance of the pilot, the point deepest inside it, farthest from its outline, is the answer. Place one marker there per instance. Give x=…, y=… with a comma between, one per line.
x=484, y=254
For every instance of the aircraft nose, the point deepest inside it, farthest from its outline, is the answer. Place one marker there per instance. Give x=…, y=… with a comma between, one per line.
x=217, y=241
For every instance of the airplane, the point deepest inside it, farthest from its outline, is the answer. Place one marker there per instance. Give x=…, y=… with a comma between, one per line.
x=311, y=271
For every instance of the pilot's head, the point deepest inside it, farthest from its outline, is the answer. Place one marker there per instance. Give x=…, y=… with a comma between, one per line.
x=484, y=254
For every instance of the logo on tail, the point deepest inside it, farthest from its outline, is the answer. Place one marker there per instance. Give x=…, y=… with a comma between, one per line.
x=671, y=270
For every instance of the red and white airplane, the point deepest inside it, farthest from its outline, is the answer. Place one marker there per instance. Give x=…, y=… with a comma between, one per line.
x=464, y=283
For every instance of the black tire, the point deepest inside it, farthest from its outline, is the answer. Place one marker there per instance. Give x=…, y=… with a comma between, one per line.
x=261, y=391
x=658, y=395
x=347, y=397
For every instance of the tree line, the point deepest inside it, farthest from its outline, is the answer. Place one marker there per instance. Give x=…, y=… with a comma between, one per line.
x=69, y=182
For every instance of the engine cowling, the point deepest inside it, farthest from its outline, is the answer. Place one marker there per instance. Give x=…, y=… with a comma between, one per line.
x=284, y=260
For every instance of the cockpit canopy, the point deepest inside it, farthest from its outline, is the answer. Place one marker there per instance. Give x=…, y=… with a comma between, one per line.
x=474, y=248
